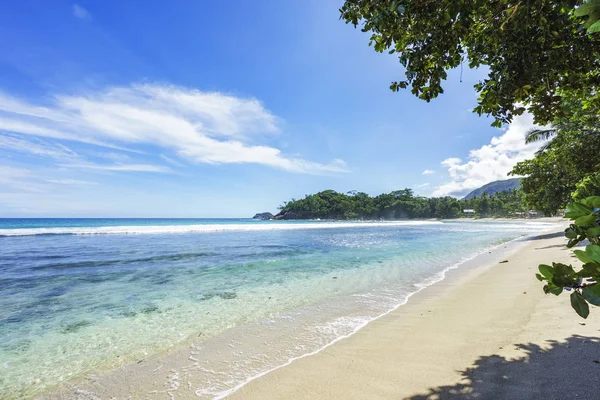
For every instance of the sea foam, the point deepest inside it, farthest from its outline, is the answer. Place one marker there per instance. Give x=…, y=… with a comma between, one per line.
x=205, y=228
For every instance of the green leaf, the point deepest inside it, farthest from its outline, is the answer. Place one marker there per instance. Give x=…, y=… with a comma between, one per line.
x=593, y=251
x=546, y=270
x=591, y=269
x=539, y=277
x=583, y=256
x=580, y=305
x=552, y=288
x=564, y=275
x=556, y=290
x=572, y=214
x=582, y=209
x=585, y=220
x=571, y=234
x=592, y=294
x=595, y=27
x=592, y=201
x=497, y=124
x=576, y=210
x=584, y=9
x=594, y=231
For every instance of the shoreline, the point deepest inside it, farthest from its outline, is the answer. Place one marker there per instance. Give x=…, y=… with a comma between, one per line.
x=466, y=265
x=439, y=346
x=118, y=381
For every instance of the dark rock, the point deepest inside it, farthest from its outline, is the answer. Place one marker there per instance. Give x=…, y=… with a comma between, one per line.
x=228, y=295
x=292, y=215
x=265, y=215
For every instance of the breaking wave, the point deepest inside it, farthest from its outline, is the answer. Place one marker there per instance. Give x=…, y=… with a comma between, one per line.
x=171, y=229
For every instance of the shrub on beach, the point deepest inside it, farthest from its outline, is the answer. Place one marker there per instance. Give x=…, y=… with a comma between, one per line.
x=583, y=284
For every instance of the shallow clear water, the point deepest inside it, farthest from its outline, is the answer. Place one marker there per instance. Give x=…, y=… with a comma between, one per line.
x=79, y=294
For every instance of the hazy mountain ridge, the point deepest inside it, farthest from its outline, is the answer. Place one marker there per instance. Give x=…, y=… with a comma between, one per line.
x=495, y=187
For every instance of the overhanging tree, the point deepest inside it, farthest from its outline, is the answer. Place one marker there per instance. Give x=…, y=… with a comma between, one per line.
x=535, y=50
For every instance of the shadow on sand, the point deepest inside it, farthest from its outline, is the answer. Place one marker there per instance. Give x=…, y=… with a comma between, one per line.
x=548, y=236
x=561, y=370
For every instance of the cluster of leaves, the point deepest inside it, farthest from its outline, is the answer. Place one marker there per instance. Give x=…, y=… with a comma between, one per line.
x=398, y=204
x=534, y=50
x=587, y=187
x=569, y=159
x=583, y=284
x=591, y=11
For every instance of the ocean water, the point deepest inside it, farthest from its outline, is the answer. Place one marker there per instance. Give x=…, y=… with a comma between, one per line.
x=81, y=294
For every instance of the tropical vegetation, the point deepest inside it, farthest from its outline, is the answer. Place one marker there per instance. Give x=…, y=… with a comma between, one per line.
x=582, y=284
x=567, y=160
x=399, y=204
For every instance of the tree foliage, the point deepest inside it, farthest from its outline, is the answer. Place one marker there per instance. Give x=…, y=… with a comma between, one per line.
x=582, y=284
x=567, y=159
x=398, y=204
x=591, y=11
x=535, y=51
x=587, y=187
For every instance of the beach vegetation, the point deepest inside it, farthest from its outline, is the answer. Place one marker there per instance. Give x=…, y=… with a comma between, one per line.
x=399, y=204
x=587, y=187
x=583, y=284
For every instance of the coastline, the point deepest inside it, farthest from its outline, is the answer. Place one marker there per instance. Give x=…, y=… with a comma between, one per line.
x=515, y=343
x=156, y=375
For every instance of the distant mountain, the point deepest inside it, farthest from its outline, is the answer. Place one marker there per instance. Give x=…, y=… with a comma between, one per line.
x=495, y=187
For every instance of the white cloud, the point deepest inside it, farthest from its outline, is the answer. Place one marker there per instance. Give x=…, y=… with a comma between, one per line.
x=70, y=182
x=428, y=172
x=80, y=12
x=490, y=162
x=203, y=127
x=119, y=157
x=68, y=158
x=119, y=167
x=37, y=147
x=171, y=161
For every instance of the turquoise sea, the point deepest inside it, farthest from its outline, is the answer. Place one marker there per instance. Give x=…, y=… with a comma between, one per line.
x=82, y=294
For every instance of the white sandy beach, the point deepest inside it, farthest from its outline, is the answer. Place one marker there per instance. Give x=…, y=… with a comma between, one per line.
x=486, y=331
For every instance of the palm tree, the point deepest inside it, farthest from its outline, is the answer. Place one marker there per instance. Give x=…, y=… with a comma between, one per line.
x=538, y=135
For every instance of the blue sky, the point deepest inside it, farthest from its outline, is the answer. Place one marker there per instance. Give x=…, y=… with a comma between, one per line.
x=220, y=109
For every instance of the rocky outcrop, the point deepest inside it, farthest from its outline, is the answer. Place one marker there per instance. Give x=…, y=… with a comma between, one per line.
x=265, y=215
x=287, y=215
